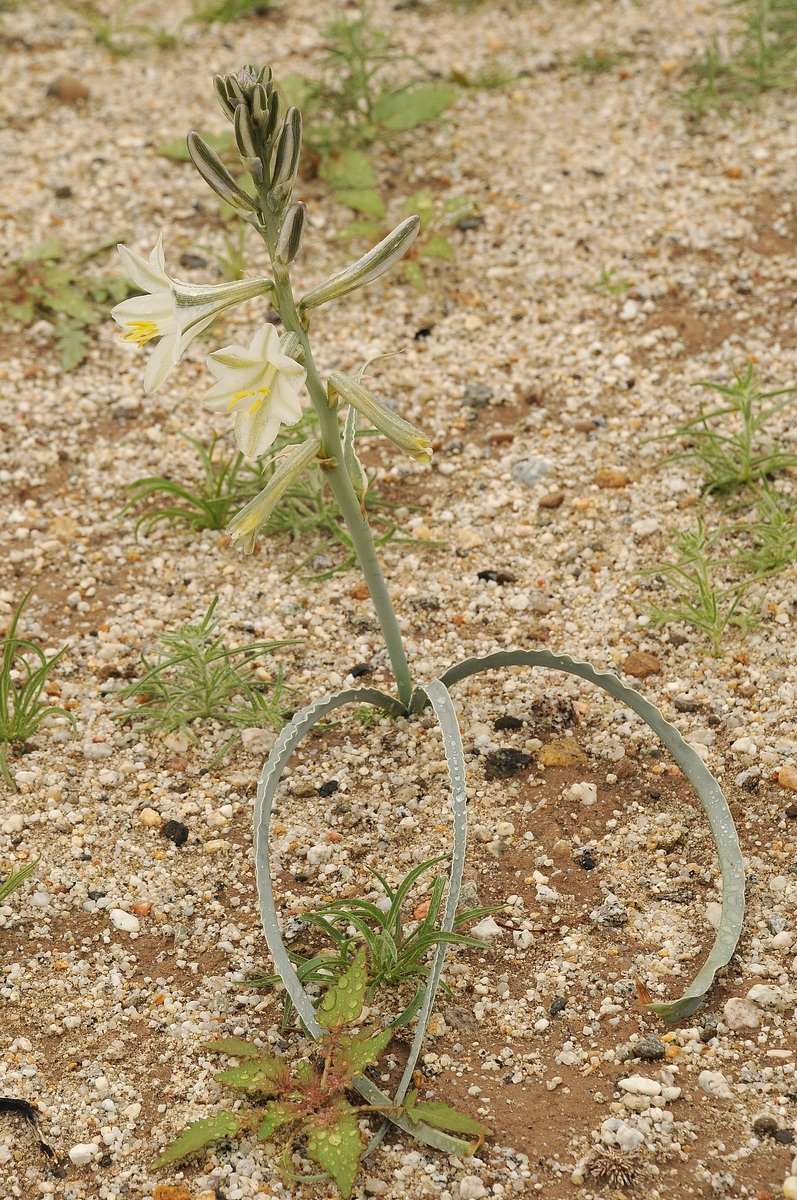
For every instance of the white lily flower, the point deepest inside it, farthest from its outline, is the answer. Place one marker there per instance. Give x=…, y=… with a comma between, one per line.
x=260, y=385
x=173, y=311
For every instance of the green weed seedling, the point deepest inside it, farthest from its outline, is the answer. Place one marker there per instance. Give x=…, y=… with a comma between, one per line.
x=761, y=57
x=15, y=879
x=195, y=676
x=227, y=11
x=609, y=283
x=599, y=62
x=24, y=670
x=396, y=955
x=307, y=1101
x=121, y=37
x=729, y=443
x=767, y=540
x=229, y=480
x=436, y=218
x=705, y=601
x=43, y=283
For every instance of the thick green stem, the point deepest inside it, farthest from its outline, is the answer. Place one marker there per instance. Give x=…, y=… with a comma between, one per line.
x=342, y=490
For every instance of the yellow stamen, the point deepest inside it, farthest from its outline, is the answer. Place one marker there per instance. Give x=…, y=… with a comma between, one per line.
x=140, y=332
x=261, y=393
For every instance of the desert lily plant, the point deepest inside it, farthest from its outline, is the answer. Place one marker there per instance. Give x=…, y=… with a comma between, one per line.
x=259, y=385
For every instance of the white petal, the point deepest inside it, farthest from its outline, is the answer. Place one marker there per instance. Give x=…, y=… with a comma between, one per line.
x=189, y=334
x=160, y=363
x=154, y=308
x=149, y=276
x=255, y=434
x=232, y=358
x=220, y=396
x=290, y=370
x=265, y=343
x=285, y=403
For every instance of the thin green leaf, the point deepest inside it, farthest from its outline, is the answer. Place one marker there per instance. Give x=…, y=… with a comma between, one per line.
x=403, y=110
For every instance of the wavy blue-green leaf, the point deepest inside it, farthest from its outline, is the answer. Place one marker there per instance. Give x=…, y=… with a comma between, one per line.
x=708, y=790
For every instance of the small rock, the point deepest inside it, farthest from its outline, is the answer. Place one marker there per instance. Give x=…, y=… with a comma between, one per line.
x=627, y=1137
x=133, y=1111
x=530, y=471
x=507, y=722
x=787, y=777
x=193, y=262
x=373, y=1186
x=641, y=663
x=487, y=929
x=611, y=914
x=767, y=995
x=176, y=832
x=468, y=896
x=329, y=788
x=650, y=1048
x=765, y=1125
x=477, y=395
x=504, y=763
x=586, y=861
x=151, y=818
x=124, y=921
x=551, y=500
x=741, y=1014
x=471, y=1188
x=561, y=752
x=258, y=740
x=790, y=1188
x=461, y=1019
x=83, y=1153
x=611, y=477
x=97, y=751
x=791, y=811
x=318, y=854
x=584, y=793
x=68, y=90
x=686, y=704
x=166, y=1191
x=215, y=845
x=141, y=908
x=499, y=577
x=640, y=1085
x=714, y=1083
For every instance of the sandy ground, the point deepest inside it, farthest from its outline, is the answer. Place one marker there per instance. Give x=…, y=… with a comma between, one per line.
x=104, y=1019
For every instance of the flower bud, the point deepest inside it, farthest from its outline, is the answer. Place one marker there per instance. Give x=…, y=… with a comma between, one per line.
x=286, y=157
x=244, y=133
x=220, y=84
x=244, y=526
x=404, y=435
x=216, y=175
x=366, y=269
x=290, y=234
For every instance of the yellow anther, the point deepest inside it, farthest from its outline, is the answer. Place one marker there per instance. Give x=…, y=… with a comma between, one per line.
x=261, y=393
x=140, y=332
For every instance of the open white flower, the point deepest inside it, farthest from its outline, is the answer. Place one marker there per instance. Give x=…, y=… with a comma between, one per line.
x=260, y=385
x=173, y=311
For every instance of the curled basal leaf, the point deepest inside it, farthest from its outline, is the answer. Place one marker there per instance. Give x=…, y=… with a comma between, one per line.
x=216, y=175
x=244, y=526
x=366, y=269
x=404, y=435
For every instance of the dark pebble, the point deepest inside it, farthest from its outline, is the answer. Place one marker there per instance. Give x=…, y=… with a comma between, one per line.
x=360, y=670
x=497, y=576
x=176, y=832
x=708, y=1024
x=558, y=1004
x=791, y=811
x=784, y=1136
x=425, y=332
x=461, y=1018
x=477, y=395
x=503, y=764
x=586, y=861
x=507, y=722
x=193, y=261
x=650, y=1049
x=64, y=192
x=329, y=788
x=765, y=1126
x=466, y=223
x=686, y=704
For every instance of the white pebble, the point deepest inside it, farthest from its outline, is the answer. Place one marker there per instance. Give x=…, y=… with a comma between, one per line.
x=318, y=854
x=125, y=921
x=586, y=793
x=83, y=1153
x=133, y=1111
x=746, y=746
x=714, y=1083
x=628, y=1138
x=741, y=1014
x=767, y=996
x=640, y=1085
x=471, y=1188
x=487, y=929
x=790, y=1188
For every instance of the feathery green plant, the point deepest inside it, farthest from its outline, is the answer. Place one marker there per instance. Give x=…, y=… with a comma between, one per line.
x=395, y=956
x=15, y=879
x=730, y=443
x=609, y=283
x=761, y=57
x=195, y=675
x=24, y=670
